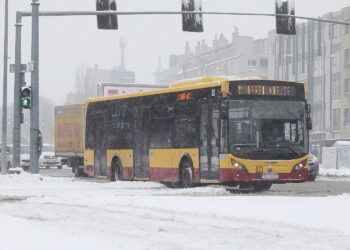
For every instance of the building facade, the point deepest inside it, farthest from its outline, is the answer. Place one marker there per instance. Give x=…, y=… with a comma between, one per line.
x=242, y=56
x=88, y=78
x=320, y=56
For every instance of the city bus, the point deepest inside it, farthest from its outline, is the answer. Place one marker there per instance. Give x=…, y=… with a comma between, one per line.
x=248, y=132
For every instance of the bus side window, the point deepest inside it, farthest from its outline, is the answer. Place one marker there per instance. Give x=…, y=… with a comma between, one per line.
x=186, y=133
x=160, y=134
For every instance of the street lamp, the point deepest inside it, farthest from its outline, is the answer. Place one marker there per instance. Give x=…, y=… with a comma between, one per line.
x=331, y=93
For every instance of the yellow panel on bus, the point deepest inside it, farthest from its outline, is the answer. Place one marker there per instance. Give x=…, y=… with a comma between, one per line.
x=170, y=158
x=89, y=158
x=126, y=157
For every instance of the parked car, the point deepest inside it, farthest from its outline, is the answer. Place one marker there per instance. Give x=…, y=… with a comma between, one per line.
x=25, y=161
x=24, y=157
x=7, y=153
x=48, y=159
x=314, y=167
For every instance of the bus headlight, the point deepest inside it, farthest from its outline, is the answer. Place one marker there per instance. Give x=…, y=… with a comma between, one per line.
x=238, y=166
x=299, y=166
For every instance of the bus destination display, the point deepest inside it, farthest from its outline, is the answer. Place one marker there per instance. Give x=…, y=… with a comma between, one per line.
x=266, y=90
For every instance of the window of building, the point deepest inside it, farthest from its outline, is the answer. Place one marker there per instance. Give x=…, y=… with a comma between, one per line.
x=336, y=119
x=336, y=31
x=347, y=57
x=318, y=93
x=347, y=28
x=346, y=116
x=336, y=90
x=331, y=31
x=252, y=63
x=264, y=63
x=347, y=86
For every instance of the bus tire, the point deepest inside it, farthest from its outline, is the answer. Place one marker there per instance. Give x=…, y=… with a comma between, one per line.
x=312, y=178
x=78, y=172
x=262, y=186
x=116, y=171
x=187, y=179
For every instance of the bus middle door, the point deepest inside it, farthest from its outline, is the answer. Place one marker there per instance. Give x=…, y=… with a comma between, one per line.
x=209, y=141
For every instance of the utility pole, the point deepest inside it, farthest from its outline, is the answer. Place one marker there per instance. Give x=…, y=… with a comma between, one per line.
x=34, y=114
x=17, y=90
x=324, y=82
x=4, y=93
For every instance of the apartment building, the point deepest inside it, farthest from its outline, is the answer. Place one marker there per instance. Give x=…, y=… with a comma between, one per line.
x=320, y=56
x=241, y=56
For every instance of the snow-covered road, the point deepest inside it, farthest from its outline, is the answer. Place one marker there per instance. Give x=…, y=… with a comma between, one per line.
x=39, y=212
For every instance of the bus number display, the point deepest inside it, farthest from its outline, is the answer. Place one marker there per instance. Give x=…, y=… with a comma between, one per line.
x=184, y=96
x=264, y=90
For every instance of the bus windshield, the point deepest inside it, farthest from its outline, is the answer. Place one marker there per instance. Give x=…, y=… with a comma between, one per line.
x=267, y=129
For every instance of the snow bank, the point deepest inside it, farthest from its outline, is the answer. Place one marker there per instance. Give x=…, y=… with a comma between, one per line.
x=342, y=172
x=39, y=213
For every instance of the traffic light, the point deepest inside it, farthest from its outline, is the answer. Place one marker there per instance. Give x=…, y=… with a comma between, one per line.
x=192, y=22
x=26, y=97
x=107, y=22
x=285, y=25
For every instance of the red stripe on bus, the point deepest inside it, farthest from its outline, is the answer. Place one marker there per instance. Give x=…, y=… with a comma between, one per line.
x=228, y=175
x=164, y=174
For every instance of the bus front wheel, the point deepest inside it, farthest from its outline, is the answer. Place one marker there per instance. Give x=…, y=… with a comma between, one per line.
x=187, y=175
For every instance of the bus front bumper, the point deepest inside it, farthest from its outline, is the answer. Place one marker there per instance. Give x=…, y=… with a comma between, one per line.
x=233, y=175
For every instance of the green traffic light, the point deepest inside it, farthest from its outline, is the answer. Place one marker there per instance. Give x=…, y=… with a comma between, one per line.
x=25, y=103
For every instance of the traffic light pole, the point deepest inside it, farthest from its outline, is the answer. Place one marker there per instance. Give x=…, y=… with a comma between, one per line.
x=34, y=114
x=17, y=91
x=4, y=94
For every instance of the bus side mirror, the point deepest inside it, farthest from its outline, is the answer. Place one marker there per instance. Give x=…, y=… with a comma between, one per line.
x=308, y=117
x=308, y=108
x=308, y=123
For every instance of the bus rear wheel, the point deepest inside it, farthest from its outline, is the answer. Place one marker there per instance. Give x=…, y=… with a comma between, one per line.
x=262, y=186
x=116, y=171
x=187, y=179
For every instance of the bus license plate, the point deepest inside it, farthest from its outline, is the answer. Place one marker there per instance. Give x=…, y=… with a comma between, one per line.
x=269, y=176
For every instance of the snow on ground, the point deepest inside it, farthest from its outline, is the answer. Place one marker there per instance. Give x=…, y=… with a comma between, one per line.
x=342, y=172
x=39, y=212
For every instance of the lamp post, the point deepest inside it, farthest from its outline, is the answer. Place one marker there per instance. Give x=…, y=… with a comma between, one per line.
x=4, y=93
x=34, y=114
x=331, y=93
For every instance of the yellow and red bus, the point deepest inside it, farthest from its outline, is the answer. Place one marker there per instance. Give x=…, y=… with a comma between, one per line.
x=210, y=130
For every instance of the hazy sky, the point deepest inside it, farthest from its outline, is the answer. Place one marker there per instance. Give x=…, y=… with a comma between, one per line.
x=66, y=42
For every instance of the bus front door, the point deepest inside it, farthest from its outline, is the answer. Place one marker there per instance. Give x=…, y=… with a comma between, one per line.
x=141, y=154
x=209, y=141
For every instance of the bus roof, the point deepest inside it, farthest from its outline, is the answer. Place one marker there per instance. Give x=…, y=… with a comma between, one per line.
x=186, y=84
